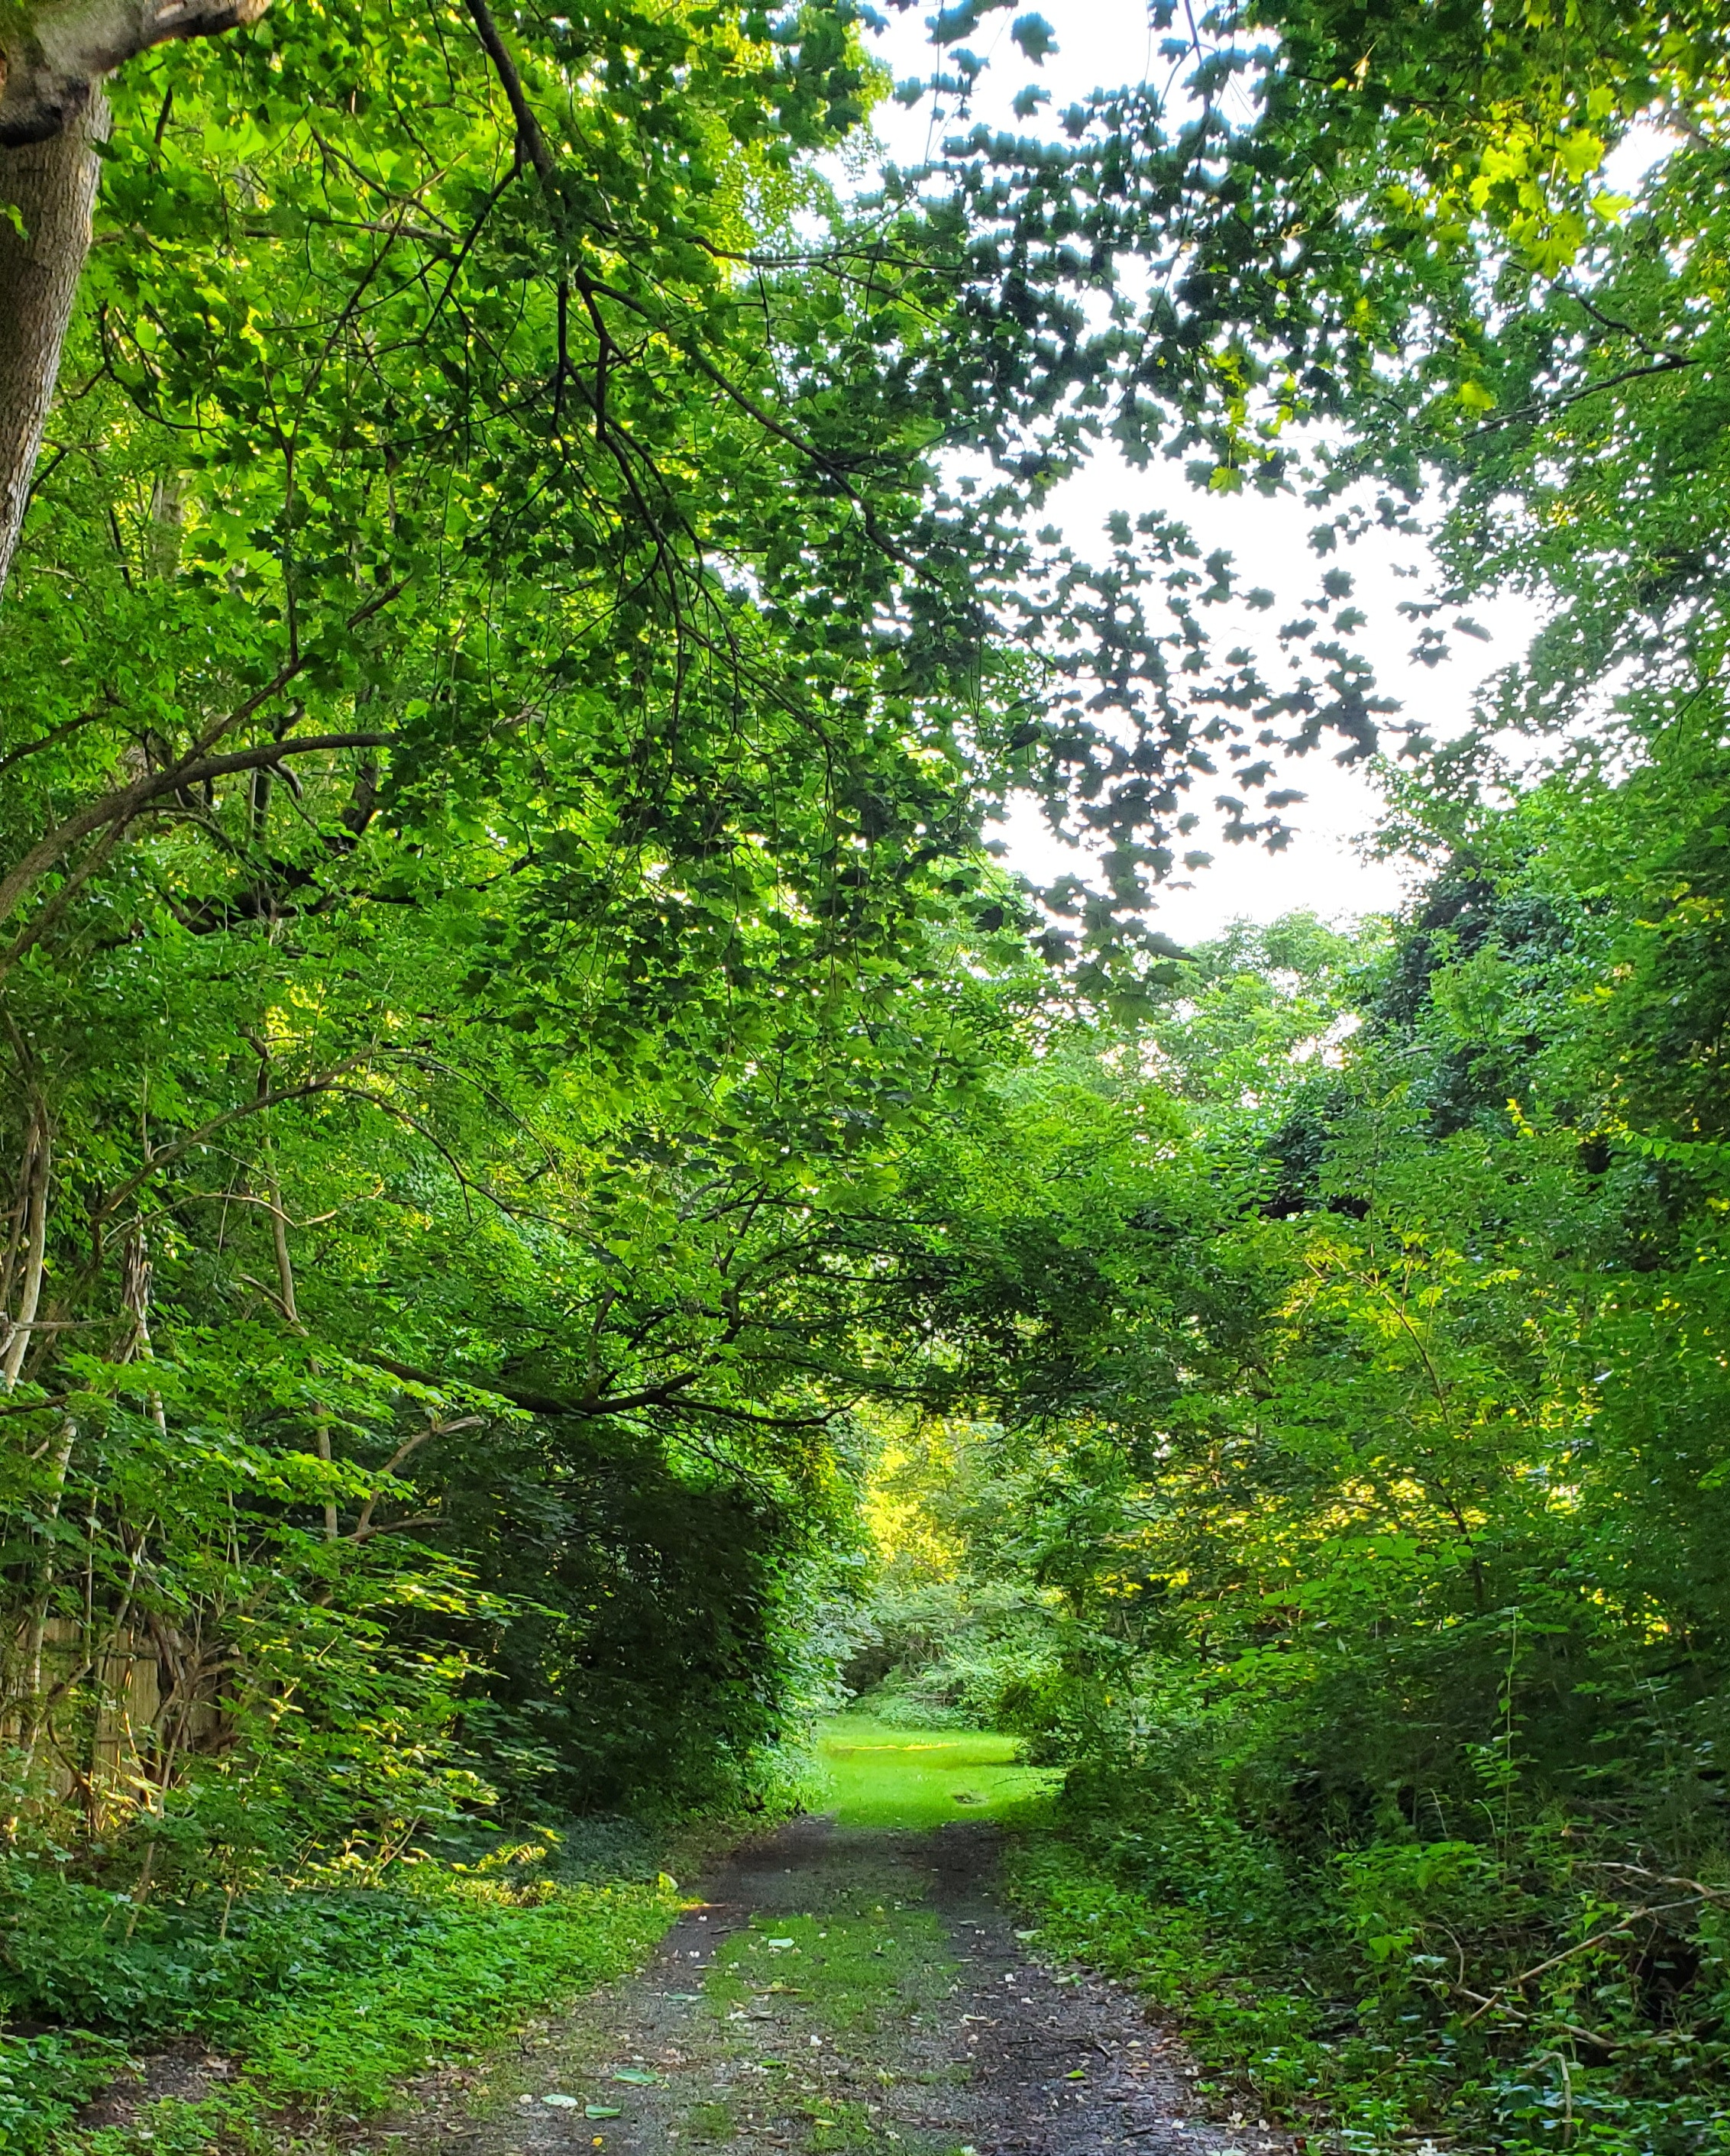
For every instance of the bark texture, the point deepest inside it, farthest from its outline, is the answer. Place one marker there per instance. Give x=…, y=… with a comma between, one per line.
x=30, y=1241
x=48, y=188
x=53, y=54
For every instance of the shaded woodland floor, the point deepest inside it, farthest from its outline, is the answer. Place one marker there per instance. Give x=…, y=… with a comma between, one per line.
x=841, y=1988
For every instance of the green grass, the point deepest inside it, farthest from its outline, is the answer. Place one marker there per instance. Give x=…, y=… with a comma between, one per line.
x=488, y=1963
x=327, y=1998
x=853, y=1970
x=483, y=1957
x=865, y=1967
x=880, y=1776
x=711, y=2121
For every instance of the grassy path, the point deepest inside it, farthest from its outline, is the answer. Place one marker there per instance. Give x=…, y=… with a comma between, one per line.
x=882, y=1776
x=852, y=1984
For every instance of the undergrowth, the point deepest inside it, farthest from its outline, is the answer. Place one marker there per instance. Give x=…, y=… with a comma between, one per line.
x=326, y=1999
x=1330, y=1991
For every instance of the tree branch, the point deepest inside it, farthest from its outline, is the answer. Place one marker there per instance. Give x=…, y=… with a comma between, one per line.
x=1544, y=407
x=53, y=56
x=328, y=1082
x=545, y=1403
x=126, y=802
x=531, y=142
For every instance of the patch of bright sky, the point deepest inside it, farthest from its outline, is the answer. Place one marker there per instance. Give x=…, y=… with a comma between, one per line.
x=1103, y=44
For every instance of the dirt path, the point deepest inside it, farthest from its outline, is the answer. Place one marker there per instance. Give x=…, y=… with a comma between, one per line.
x=843, y=1991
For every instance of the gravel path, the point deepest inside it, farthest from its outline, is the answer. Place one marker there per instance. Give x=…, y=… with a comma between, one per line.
x=839, y=1990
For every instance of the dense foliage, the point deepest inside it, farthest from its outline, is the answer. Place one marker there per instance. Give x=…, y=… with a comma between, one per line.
x=1370, y=1576
x=1371, y=1571
x=524, y=1089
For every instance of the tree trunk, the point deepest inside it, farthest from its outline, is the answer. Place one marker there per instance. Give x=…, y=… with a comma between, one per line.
x=32, y=1238
x=49, y=189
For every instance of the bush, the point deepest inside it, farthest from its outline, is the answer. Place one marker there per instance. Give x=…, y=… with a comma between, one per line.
x=43, y=2079
x=1493, y=1993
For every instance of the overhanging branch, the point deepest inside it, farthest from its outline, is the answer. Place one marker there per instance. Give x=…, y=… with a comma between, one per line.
x=126, y=802
x=53, y=56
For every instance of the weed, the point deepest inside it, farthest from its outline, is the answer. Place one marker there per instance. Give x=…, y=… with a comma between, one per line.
x=836, y=2126
x=486, y=1963
x=367, y=1989
x=44, y=2080
x=1265, y=1987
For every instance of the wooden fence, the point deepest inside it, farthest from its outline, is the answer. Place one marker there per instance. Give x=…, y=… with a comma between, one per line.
x=103, y=1729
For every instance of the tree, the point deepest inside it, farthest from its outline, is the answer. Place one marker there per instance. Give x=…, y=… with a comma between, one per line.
x=497, y=935
x=53, y=60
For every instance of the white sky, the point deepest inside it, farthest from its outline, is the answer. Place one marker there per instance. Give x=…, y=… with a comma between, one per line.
x=1103, y=43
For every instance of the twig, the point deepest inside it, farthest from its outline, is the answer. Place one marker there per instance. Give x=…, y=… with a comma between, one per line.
x=1582, y=1946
